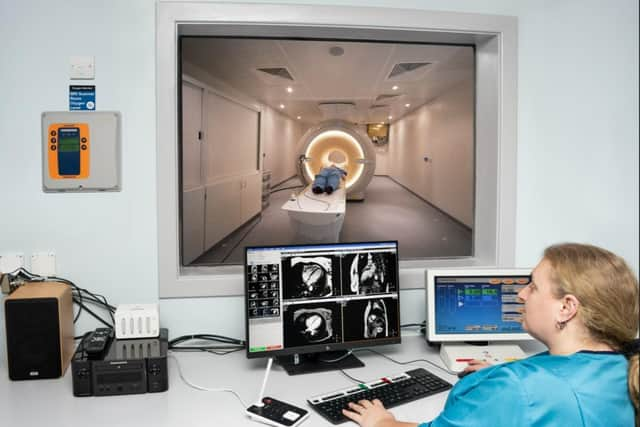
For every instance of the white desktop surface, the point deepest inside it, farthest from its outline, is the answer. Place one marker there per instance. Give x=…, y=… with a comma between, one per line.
x=51, y=402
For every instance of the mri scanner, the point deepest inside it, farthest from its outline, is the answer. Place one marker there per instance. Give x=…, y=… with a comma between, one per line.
x=319, y=217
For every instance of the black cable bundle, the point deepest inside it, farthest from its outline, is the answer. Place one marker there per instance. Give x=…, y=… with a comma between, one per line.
x=225, y=345
x=422, y=325
x=81, y=297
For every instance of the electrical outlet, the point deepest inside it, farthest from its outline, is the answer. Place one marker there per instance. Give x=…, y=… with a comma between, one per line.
x=11, y=262
x=82, y=68
x=43, y=263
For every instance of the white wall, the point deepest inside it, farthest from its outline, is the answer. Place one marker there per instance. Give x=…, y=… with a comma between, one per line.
x=280, y=133
x=280, y=139
x=382, y=160
x=441, y=130
x=105, y=242
x=577, y=140
x=232, y=138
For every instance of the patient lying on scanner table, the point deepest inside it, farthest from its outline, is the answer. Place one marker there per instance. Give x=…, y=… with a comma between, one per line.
x=328, y=180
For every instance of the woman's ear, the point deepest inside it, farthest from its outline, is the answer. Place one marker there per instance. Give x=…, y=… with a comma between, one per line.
x=569, y=308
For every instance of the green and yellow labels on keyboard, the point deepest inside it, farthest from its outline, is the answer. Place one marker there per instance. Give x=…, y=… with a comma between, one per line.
x=69, y=148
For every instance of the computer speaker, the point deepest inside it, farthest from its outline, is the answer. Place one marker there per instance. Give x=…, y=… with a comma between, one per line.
x=39, y=330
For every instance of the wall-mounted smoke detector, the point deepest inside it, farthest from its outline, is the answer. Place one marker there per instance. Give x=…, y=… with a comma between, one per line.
x=405, y=68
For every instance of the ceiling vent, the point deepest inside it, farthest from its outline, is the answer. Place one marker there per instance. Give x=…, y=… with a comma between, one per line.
x=387, y=97
x=406, y=67
x=374, y=106
x=343, y=110
x=280, y=72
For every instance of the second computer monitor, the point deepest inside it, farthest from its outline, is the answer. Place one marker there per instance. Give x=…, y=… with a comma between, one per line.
x=476, y=305
x=324, y=297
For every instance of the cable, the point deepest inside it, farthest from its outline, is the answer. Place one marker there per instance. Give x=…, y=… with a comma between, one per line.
x=422, y=325
x=206, y=347
x=223, y=353
x=198, y=387
x=228, y=345
x=344, y=356
x=85, y=308
x=408, y=325
x=306, y=194
x=350, y=377
x=234, y=342
x=286, y=188
x=81, y=297
x=410, y=361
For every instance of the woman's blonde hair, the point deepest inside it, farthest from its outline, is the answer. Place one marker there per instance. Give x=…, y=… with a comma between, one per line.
x=608, y=293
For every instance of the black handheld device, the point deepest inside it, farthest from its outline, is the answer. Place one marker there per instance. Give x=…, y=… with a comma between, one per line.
x=97, y=341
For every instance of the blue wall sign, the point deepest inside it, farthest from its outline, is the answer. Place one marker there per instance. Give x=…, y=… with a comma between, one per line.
x=82, y=98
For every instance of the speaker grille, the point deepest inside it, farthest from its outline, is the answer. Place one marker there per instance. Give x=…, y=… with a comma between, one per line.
x=33, y=338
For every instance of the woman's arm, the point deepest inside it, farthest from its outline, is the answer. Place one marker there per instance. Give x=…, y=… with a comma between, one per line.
x=373, y=414
x=492, y=397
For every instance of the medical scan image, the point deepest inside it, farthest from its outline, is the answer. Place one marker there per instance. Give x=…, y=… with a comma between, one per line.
x=310, y=277
x=375, y=319
x=308, y=324
x=370, y=319
x=368, y=273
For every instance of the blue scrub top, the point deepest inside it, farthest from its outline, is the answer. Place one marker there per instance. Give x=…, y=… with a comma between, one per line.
x=585, y=389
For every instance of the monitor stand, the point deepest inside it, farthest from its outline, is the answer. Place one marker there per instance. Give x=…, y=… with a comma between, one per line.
x=318, y=362
x=457, y=355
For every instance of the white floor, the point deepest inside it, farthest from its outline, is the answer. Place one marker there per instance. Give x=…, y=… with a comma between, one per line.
x=389, y=212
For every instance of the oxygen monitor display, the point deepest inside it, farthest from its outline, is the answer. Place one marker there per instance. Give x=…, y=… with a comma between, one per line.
x=68, y=148
x=69, y=151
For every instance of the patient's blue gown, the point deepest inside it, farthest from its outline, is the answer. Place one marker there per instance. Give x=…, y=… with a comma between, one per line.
x=585, y=389
x=328, y=179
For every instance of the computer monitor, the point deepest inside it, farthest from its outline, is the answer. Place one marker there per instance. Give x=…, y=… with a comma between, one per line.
x=475, y=306
x=303, y=301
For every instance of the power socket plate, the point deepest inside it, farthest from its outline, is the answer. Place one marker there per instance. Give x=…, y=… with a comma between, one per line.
x=43, y=264
x=11, y=262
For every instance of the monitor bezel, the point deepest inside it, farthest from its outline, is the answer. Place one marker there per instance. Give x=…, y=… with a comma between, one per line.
x=433, y=336
x=319, y=347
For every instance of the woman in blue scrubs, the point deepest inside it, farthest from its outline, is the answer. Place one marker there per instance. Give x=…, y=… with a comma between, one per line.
x=582, y=303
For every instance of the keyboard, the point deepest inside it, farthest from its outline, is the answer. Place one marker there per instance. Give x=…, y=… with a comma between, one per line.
x=391, y=391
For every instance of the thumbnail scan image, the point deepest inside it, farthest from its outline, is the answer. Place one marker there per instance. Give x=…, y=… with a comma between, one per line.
x=370, y=319
x=263, y=295
x=310, y=277
x=369, y=273
x=308, y=324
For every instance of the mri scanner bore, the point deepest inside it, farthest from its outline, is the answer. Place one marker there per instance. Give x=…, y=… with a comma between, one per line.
x=338, y=143
x=332, y=144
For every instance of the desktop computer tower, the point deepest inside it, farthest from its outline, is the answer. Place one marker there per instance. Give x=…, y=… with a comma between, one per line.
x=39, y=330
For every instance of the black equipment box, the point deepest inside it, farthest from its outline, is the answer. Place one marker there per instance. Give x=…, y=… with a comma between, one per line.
x=130, y=366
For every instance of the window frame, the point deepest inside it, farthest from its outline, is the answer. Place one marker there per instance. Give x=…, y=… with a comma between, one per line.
x=495, y=127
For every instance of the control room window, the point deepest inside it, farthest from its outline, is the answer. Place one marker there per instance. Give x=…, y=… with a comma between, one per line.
x=265, y=89
x=250, y=108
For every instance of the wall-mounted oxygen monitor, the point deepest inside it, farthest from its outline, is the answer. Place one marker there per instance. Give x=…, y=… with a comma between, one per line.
x=69, y=150
x=81, y=151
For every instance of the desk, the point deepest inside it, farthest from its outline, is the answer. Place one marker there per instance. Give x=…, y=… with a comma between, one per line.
x=51, y=402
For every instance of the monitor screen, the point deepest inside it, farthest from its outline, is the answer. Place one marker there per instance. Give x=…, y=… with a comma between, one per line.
x=321, y=297
x=475, y=305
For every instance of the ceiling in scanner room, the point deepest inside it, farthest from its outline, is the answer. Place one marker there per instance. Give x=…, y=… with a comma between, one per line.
x=320, y=73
